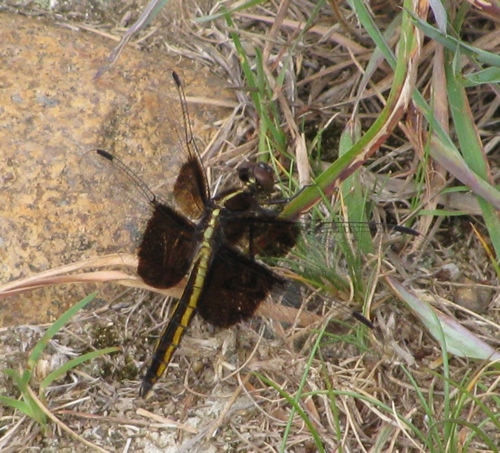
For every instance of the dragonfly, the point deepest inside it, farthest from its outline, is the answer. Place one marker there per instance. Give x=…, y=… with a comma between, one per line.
x=213, y=242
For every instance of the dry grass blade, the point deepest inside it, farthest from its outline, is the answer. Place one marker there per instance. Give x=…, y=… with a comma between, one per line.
x=76, y=273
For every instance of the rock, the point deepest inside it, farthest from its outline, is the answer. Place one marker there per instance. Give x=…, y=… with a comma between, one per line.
x=51, y=113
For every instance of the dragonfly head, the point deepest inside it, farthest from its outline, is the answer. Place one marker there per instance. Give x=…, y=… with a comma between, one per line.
x=258, y=177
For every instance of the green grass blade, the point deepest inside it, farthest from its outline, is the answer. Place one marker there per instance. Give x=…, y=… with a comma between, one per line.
x=472, y=148
x=17, y=404
x=28, y=406
x=453, y=44
x=16, y=377
x=54, y=328
x=485, y=76
x=62, y=370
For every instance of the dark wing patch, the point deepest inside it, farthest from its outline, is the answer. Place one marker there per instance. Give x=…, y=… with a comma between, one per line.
x=261, y=233
x=167, y=248
x=234, y=287
x=191, y=189
x=276, y=238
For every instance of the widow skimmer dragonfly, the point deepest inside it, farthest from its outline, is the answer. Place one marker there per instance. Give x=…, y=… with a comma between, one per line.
x=210, y=241
x=225, y=284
